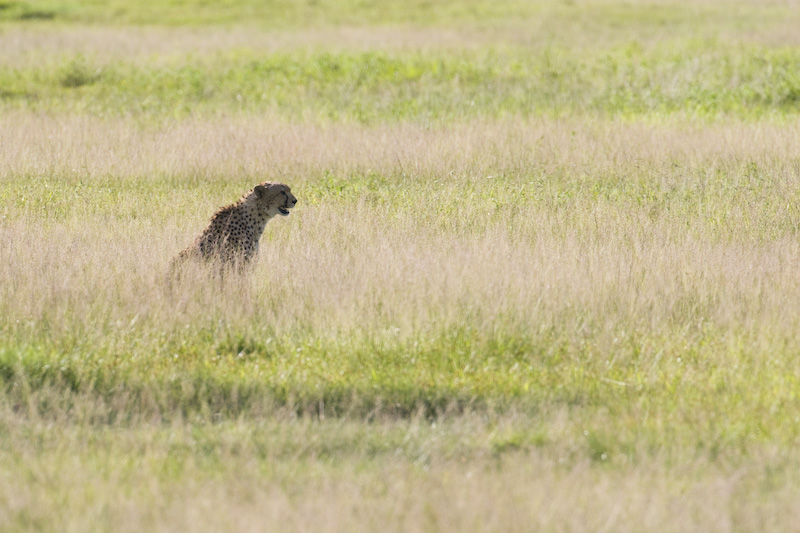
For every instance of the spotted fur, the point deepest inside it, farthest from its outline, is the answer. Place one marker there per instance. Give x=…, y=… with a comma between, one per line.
x=233, y=233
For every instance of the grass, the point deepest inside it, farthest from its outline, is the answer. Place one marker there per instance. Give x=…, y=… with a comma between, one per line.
x=273, y=14
x=402, y=476
x=528, y=284
x=698, y=79
x=387, y=62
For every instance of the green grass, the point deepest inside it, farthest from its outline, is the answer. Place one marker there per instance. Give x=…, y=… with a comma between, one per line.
x=699, y=79
x=681, y=382
x=542, y=272
x=589, y=16
x=278, y=14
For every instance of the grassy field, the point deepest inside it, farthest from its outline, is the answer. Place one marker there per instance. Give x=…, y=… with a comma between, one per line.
x=541, y=275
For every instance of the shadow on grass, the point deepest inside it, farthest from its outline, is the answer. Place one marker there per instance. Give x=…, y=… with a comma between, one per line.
x=99, y=397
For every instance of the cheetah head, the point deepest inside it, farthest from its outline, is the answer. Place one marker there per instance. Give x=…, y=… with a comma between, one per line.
x=274, y=198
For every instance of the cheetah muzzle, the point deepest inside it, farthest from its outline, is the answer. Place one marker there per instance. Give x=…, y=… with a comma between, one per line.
x=288, y=204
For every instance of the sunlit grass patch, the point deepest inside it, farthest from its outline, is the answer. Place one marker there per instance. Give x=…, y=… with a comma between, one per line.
x=705, y=79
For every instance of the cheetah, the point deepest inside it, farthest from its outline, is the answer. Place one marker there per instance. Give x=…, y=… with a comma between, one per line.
x=231, y=238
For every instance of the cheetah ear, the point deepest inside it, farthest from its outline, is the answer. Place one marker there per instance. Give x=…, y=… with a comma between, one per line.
x=260, y=191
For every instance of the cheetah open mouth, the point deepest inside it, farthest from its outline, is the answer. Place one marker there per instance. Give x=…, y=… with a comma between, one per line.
x=283, y=211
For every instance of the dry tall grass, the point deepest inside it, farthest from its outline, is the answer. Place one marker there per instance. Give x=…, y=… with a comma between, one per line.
x=573, y=324
x=514, y=220
x=634, y=244
x=540, y=24
x=159, y=481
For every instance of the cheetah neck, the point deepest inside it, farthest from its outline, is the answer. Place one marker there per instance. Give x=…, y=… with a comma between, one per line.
x=260, y=219
x=260, y=226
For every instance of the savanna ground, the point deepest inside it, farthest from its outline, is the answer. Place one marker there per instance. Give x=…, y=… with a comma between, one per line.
x=543, y=272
